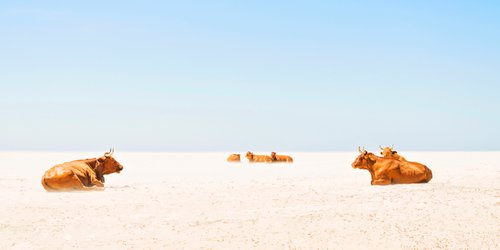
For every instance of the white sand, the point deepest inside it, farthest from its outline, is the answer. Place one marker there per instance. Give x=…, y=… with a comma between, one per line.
x=197, y=201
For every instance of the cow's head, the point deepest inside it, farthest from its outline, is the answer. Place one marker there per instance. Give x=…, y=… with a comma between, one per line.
x=273, y=154
x=249, y=155
x=234, y=157
x=363, y=160
x=388, y=151
x=107, y=164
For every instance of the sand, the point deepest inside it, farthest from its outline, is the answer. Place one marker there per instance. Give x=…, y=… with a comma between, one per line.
x=198, y=201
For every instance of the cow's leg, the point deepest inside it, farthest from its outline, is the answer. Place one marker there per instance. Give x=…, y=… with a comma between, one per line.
x=381, y=182
x=98, y=186
x=96, y=182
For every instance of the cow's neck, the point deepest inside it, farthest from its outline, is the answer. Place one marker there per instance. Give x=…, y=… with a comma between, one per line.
x=92, y=163
x=369, y=166
x=97, y=167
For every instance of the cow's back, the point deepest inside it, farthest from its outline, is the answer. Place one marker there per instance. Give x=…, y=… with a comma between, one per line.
x=234, y=158
x=399, y=157
x=262, y=158
x=284, y=158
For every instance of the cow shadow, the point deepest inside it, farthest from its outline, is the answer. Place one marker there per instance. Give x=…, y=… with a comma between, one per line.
x=119, y=187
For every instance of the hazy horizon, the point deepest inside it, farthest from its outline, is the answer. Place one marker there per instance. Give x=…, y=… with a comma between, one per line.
x=376, y=151
x=225, y=76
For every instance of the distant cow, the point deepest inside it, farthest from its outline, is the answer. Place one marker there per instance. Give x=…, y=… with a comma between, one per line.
x=281, y=158
x=389, y=152
x=258, y=158
x=85, y=174
x=386, y=171
x=234, y=158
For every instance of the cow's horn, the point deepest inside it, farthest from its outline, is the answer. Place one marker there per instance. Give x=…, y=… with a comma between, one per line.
x=111, y=151
x=392, y=146
x=359, y=149
x=380, y=147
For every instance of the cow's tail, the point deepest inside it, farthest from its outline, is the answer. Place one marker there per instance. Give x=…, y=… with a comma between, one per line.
x=46, y=186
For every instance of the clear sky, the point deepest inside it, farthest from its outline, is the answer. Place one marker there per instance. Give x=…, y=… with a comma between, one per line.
x=249, y=75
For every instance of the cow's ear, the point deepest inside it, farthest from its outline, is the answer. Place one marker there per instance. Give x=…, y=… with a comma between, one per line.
x=101, y=159
x=394, y=152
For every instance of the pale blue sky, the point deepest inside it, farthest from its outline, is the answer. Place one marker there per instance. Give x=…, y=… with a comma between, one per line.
x=249, y=75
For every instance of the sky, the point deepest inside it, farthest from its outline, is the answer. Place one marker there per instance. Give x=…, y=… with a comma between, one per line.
x=249, y=75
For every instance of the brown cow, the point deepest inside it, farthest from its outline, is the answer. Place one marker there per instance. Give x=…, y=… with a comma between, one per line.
x=389, y=152
x=258, y=158
x=281, y=158
x=386, y=171
x=234, y=158
x=85, y=174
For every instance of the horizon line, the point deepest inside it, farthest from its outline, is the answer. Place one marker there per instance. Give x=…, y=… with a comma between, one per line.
x=208, y=151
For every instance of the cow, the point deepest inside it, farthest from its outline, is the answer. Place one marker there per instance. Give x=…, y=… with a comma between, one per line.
x=385, y=171
x=252, y=158
x=82, y=175
x=234, y=158
x=281, y=158
x=389, y=152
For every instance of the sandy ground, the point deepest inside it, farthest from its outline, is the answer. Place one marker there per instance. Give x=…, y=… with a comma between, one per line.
x=197, y=201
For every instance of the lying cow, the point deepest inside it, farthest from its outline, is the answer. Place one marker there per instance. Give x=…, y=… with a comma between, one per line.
x=281, y=158
x=234, y=158
x=258, y=158
x=85, y=174
x=386, y=171
x=389, y=152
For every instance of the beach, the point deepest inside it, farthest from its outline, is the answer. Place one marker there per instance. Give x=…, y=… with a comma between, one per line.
x=199, y=201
